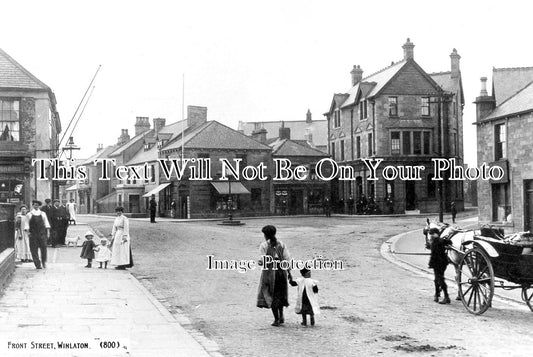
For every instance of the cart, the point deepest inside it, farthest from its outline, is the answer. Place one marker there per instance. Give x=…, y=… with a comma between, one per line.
x=488, y=260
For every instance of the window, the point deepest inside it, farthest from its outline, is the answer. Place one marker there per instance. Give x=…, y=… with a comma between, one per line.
x=501, y=203
x=395, y=142
x=337, y=119
x=370, y=144
x=153, y=173
x=500, y=149
x=358, y=146
x=417, y=142
x=332, y=151
x=393, y=106
x=363, y=114
x=427, y=140
x=406, y=146
x=425, y=106
x=342, y=150
x=9, y=120
x=203, y=155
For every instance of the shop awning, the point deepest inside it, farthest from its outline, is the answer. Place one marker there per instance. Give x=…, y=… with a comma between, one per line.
x=156, y=190
x=224, y=187
x=72, y=188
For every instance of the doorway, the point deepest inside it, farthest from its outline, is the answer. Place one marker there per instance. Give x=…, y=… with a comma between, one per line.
x=528, y=209
x=410, y=196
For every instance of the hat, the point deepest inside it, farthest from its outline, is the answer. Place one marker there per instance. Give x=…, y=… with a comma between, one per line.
x=103, y=240
x=56, y=200
x=434, y=231
x=89, y=233
x=121, y=209
x=304, y=271
x=36, y=201
x=47, y=201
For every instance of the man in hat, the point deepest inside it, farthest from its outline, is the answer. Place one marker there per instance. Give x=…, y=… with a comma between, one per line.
x=38, y=228
x=59, y=222
x=47, y=209
x=438, y=261
x=153, y=208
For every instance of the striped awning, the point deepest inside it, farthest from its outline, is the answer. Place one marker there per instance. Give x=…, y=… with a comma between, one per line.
x=224, y=188
x=156, y=190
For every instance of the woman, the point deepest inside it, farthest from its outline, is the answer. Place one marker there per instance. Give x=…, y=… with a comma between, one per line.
x=273, y=287
x=22, y=240
x=71, y=207
x=121, y=252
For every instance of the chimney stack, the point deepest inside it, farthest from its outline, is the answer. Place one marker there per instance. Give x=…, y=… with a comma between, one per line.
x=308, y=117
x=124, y=137
x=456, y=70
x=484, y=103
x=357, y=74
x=408, y=50
x=284, y=133
x=142, y=124
x=260, y=135
x=100, y=147
x=158, y=124
x=196, y=115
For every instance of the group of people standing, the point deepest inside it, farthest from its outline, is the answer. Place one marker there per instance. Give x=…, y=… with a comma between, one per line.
x=59, y=216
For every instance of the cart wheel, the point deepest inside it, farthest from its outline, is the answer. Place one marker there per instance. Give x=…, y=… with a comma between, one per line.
x=528, y=297
x=476, y=281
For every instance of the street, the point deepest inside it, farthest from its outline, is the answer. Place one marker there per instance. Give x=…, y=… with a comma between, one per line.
x=372, y=307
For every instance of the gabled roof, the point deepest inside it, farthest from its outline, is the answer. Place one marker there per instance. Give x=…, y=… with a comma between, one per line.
x=507, y=81
x=214, y=135
x=519, y=103
x=287, y=148
x=299, y=128
x=447, y=83
x=102, y=154
x=13, y=75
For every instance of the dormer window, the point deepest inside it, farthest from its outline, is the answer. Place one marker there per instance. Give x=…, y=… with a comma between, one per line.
x=161, y=143
x=363, y=110
x=147, y=146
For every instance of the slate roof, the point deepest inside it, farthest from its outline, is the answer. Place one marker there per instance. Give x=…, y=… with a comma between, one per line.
x=216, y=136
x=286, y=147
x=102, y=154
x=520, y=102
x=444, y=80
x=507, y=81
x=13, y=75
x=317, y=128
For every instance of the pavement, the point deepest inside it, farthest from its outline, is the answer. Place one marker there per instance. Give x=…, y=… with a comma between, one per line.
x=95, y=312
x=408, y=250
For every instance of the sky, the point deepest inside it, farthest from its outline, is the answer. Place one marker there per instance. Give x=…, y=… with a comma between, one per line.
x=246, y=60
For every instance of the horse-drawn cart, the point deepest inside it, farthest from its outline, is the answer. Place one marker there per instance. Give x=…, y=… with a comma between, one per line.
x=487, y=259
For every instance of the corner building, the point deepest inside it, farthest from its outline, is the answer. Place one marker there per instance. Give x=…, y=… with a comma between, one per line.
x=405, y=116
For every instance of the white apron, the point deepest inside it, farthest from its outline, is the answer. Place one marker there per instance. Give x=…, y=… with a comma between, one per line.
x=120, y=254
x=308, y=284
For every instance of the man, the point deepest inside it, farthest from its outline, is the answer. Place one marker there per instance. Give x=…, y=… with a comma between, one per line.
x=153, y=208
x=327, y=207
x=350, y=204
x=47, y=209
x=38, y=228
x=438, y=261
x=58, y=219
x=454, y=211
x=63, y=213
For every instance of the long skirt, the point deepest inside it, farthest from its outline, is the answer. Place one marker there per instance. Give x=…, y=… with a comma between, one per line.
x=273, y=289
x=22, y=246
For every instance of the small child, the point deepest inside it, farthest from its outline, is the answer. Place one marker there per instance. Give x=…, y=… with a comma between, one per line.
x=103, y=254
x=307, y=301
x=87, y=250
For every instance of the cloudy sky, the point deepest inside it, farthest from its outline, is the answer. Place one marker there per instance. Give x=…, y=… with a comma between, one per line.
x=246, y=60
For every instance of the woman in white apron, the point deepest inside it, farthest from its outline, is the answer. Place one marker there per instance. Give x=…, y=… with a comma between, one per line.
x=22, y=241
x=121, y=248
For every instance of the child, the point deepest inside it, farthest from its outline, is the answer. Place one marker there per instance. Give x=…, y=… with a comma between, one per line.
x=307, y=301
x=87, y=250
x=438, y=261
x=103, y=254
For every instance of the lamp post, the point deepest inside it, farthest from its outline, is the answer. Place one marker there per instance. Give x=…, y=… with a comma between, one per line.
x=230, y=202
x=70, y=147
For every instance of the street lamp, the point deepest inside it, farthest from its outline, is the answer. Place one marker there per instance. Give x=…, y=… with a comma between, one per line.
x=70, y=147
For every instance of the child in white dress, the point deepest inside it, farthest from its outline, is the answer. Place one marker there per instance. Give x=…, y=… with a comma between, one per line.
x=307, y=300
x=103, y=254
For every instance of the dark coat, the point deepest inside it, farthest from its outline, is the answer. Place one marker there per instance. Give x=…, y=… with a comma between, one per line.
x=87, y=250
x=153, y=205
x=438, y=258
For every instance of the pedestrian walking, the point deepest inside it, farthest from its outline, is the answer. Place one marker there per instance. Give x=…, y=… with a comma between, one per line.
x=438, y=261
x=38, y=228
x=454, y=211
x=307, y=300
x=59, y=222
x=47, y=209
x=273, y=286
x=103, y=254
x=22, y=241
x=87, y=249
x=153, y=208
x=121, y=255
x=71, y=208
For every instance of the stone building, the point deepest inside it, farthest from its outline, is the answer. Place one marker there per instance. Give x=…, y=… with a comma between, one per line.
x=30, y=126
x=504, y=123
x=405, y=116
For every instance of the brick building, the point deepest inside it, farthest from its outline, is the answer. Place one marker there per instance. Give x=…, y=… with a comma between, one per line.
x=406, y=117
x=504, y=123
x=30, y=126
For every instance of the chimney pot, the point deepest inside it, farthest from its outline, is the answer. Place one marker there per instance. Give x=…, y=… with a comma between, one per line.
x=455, y=67
x=357, y=74
x=483, y=92
x=308, y=117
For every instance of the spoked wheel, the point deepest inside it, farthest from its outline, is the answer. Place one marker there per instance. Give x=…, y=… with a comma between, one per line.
x=527, y=296
x=476, y=281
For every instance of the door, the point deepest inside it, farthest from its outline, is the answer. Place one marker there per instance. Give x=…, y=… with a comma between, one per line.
x=296, y=205
x=134, y=203
x=410, y=196
x=528, y=209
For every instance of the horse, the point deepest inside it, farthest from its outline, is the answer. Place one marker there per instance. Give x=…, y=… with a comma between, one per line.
x=460, y=242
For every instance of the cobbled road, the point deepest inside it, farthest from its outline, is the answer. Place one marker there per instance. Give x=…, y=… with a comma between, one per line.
x=371, y=308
